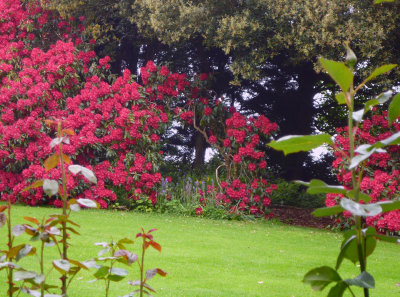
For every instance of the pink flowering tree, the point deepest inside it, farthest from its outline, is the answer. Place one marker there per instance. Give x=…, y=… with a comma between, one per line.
x=381, y=174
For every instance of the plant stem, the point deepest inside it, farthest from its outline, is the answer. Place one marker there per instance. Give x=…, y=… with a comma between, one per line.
x=9, y=244
x=142, y=267
x=356, y=188
x=64, y=212
x=42, y=269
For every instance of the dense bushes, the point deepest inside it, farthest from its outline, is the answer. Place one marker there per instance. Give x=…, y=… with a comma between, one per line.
x=381, y=179
x=115, y=123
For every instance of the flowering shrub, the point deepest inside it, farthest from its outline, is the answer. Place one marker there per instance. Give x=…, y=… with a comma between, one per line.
x=381, y=179
x=237, y=139
x=115, y=125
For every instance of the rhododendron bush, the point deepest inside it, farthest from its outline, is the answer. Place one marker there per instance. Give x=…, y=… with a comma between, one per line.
x=238, y=139
x=115, y=124
x=48, y=70
x=381, y=179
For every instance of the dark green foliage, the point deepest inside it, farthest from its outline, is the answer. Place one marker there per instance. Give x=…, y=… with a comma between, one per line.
x=292, y=194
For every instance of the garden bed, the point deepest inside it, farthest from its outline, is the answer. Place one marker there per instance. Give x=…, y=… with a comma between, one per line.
x=300, y=217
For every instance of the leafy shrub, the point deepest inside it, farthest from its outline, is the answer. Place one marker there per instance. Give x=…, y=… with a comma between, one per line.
x=294, y=194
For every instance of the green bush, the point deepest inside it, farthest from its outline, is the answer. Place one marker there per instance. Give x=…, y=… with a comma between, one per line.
x=292, y=194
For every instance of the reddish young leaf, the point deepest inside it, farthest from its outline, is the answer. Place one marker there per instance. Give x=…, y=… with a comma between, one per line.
x=49, y=122
x=68, y=131
x=32, y=220
x=151, y=230
x=3, y=208
x=155, y=245
x=66, y=159
x=161, y=272
x=51, y=162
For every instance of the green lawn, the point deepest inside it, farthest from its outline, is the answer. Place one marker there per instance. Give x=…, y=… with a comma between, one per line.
x=215, y=258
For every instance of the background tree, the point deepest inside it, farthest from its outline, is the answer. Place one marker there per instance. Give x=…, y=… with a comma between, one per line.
x=261, y=53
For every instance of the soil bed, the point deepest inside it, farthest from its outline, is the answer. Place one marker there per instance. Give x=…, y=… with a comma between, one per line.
x=300, y=217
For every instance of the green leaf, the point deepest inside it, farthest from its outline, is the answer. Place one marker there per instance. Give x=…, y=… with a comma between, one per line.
x=338, y=290
x=51, y=162
x=382, y=1
x=117, y=274
x=339, y=73
x=388, y=238
x=25, y=251
x=88, y=203
x=380, y=70
x=327, y=211
x=62, y=265
x=36, y=184
x=101, y=272
x=392, y=140
x=340, y=98
x=364, y=280
x=362, y=196
x=394, y=108
x=344, y=250
x=297, y=143
x=362, y=210
x=50, y=187
x=75, y=169
x=317, y=186
x=320, y=277
x=382, y=98
x=23, y=274
x=389, y=205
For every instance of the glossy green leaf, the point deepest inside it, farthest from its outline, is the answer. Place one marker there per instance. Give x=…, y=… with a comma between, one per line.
x=36, y=184
x=382, y=1
x=88, y=203
x=50, y=187
x=23, y=275
x=327, y=211
x=347, y=251
x=386, y=238
x=340, y=98
x=320, y=277
x=317, y=186
x=299, y=143
x=364, y=280
x=394, y=108
x=389, y=205
x=391, y=140
x=25, y=251
x=362, y=210
x=75, y=169
x=338, y=290
x=62, y=265
x=339, y=73
x=380, y=70
x=362, y=196
x=102, y=272
x=382, y=98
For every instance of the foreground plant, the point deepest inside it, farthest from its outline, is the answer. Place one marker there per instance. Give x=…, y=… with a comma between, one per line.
x=358, y=243
x=107, y=271
x=45, y=230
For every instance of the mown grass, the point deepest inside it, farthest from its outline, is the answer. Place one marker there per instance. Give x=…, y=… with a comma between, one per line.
x=210, y=258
